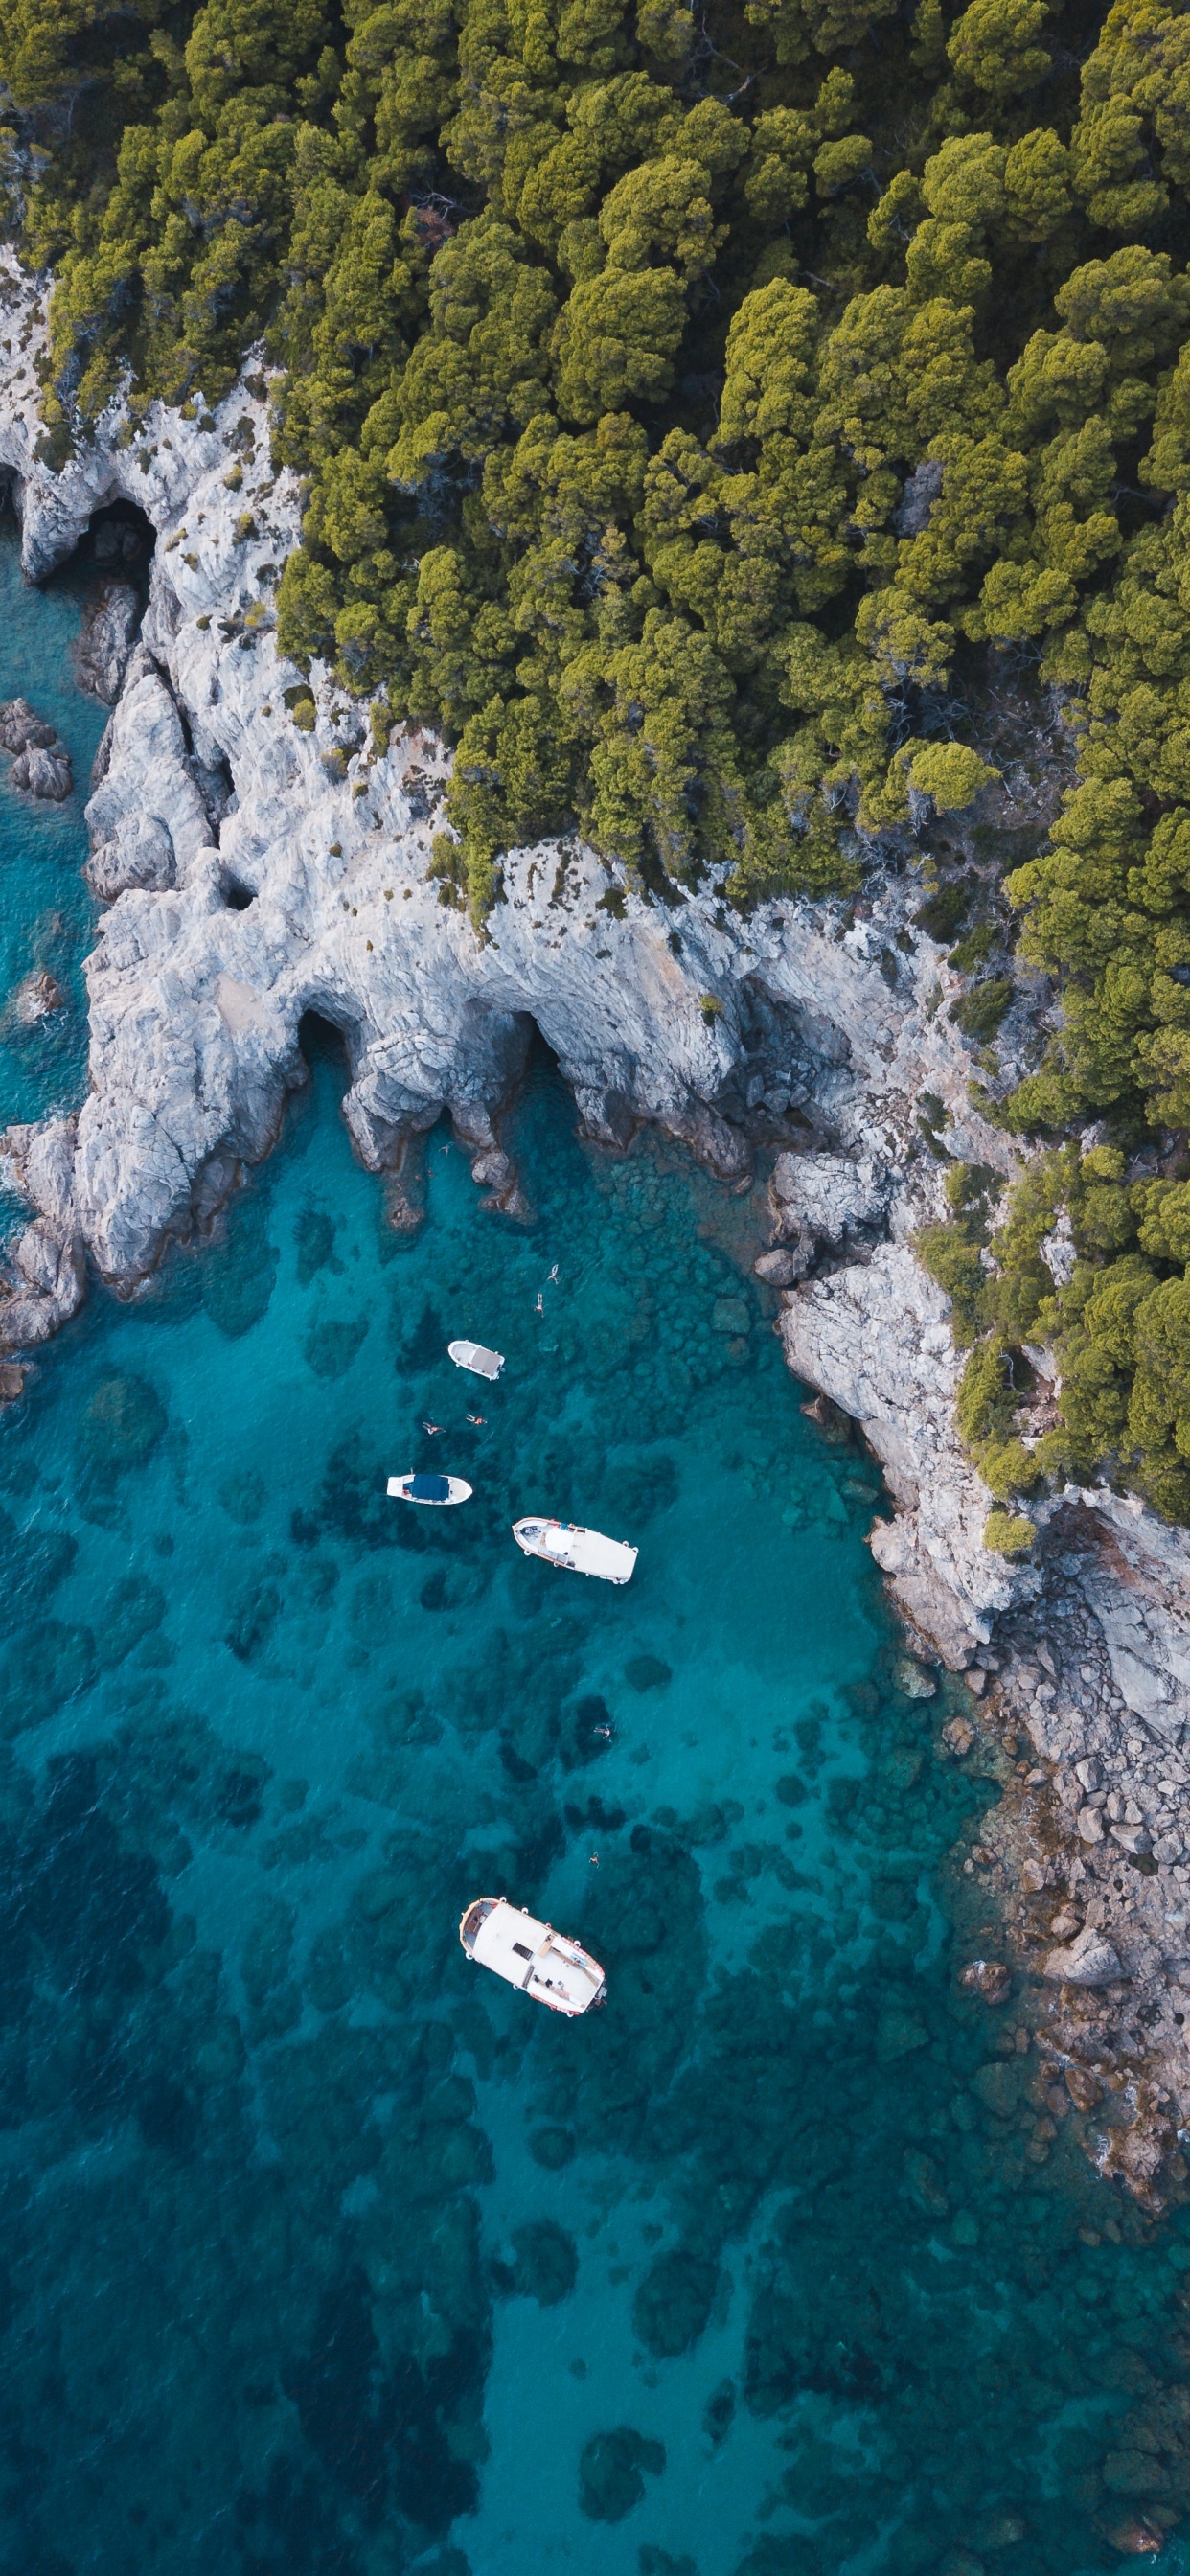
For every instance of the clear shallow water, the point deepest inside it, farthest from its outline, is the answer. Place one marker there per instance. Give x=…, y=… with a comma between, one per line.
x=46, y=912
x=322, y=2251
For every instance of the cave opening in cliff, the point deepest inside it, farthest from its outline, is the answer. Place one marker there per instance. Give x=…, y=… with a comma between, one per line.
x=536, y=1055
x=236, y=895
x=119, y=542
x=324, y=1041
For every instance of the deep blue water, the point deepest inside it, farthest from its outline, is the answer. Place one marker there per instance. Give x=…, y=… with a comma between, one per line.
x=321, y=2253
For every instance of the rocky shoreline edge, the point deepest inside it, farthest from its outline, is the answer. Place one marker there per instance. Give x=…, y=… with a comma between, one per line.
x=261, y=857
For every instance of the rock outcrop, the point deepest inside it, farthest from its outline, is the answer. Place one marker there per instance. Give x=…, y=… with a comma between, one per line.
x=42, y=762
x=34, y=999
x=875, y=1337
x=108, y=632
x=47, y=1263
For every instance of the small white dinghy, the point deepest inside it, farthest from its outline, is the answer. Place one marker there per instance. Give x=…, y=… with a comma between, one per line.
x=429, y=1489
x=583, y=1551
x=531, y=1955
x=473, y=1356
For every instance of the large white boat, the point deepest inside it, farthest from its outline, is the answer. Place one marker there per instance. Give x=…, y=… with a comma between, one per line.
x=429, y=1489
x=583, y=1551
x=473, y=1356
x=531, y=1955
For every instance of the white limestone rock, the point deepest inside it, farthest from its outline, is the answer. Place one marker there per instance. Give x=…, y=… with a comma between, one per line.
x=829, y=1196
x=876, y=1338
x=47, y=774
x=104, y=647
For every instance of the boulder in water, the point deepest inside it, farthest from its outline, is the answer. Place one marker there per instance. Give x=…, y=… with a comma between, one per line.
x=21, y=729
x=46, y=774
x=786, y=1263
x=33, y=1000
x=988, y=1978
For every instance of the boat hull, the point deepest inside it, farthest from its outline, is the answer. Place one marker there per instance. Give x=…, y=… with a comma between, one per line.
x=545, y=1965
x=459, y=1492
x=575, y=1550
x=473, y=1357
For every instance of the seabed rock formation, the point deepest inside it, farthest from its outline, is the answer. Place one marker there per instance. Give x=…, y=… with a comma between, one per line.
x=257, y=870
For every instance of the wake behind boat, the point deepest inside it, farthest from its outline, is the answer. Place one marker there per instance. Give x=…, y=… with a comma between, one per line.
x=429, y=1489
x=543, y=1963
x=582, y=1551
x=473, y=1356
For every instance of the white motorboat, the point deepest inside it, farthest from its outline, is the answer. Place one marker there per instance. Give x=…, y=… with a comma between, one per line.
x=473, y=1356
x=583, y=1551
x=429, y=1489
x=531, y=1955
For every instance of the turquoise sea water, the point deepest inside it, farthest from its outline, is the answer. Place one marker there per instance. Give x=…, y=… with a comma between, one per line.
x=46, y=912
x=322, y=2253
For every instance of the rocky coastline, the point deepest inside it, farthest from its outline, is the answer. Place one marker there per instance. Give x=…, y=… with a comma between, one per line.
x=260, y=857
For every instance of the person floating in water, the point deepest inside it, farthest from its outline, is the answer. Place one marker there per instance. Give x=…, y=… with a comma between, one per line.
x=478, y=1419
x=552, y=1277
x=540, y=1303
x=432, y=1428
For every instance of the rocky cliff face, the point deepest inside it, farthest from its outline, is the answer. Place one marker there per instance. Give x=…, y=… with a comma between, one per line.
x=255, y=872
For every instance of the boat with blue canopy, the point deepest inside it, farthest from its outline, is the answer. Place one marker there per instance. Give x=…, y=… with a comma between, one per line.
x=425, y=1488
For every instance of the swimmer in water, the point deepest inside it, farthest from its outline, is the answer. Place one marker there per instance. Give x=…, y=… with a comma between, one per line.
x=553, y=1275
x=478, y=1419
x=432, y=1428
x=540, y=1303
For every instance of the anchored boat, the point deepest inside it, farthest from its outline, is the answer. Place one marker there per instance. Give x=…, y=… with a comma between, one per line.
x=473, y=1356
x=583, y=1551
x=429, y=1489
x=531, y=1955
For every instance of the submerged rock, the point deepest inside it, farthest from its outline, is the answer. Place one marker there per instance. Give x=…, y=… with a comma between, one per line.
x=1136, y=2537
x=673, y=2304
x=546, y=2264
x=552, y=2147
x=612, y=2470
x=122, y=1422
x=989, y=1978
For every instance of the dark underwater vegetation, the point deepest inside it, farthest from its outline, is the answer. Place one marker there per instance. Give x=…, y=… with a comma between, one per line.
x=323, y=2254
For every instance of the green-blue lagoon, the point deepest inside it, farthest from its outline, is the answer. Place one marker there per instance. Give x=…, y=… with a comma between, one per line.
x=322, y=2252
